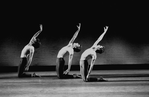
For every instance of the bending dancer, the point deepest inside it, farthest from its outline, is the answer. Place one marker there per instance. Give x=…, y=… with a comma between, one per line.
x=70, y=49
x=90, y=53
x=27, y=55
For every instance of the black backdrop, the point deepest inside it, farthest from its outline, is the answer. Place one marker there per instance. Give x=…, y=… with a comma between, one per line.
x=126, y=40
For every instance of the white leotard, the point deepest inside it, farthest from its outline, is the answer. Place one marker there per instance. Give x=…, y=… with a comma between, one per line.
x=89, y=52
x=64, y=50
x=27, y=50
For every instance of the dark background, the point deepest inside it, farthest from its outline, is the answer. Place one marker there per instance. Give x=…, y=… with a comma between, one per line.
x=126, y=40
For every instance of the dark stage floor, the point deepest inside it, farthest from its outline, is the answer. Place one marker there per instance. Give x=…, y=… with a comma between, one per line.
x=119, y=83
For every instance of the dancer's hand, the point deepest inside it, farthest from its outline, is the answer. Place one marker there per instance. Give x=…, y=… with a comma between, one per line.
x=66, y=72
x=105, y=28
x=40, y=27
x=27, y=68
x=79, y=25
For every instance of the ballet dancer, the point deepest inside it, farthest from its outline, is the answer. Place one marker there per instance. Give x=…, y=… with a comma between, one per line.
x=27, y=55
x=91, y=53
x=68, y=49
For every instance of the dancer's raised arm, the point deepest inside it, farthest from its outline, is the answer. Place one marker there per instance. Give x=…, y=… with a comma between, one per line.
x=101, y=36
x=36, y=34
x=76, y=34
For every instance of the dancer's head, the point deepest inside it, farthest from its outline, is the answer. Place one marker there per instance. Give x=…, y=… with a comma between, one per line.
x=36, y=43
x=99, y=49
x=76, y=47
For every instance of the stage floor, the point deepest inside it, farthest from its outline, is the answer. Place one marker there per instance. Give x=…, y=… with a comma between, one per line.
x=119, y=83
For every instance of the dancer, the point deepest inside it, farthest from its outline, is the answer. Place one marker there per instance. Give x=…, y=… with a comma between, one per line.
x=27, y=55
x=70, y=49
x=90, y=53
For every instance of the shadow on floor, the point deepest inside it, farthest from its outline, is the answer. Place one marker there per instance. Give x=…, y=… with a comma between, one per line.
x=93, y=77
